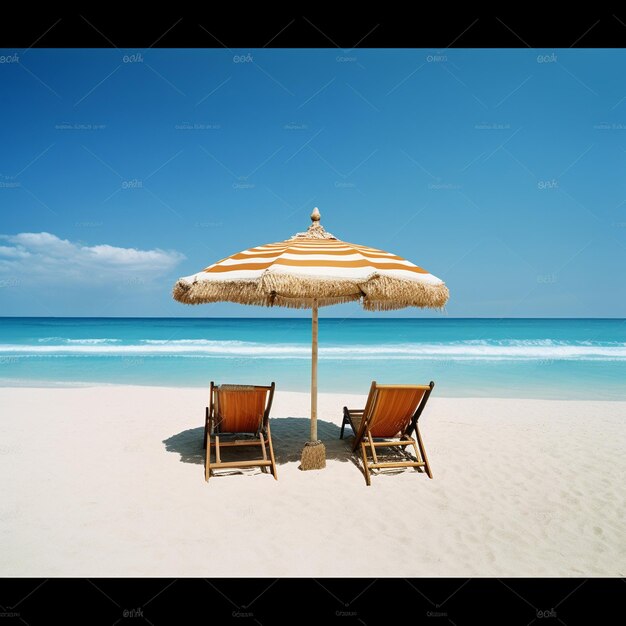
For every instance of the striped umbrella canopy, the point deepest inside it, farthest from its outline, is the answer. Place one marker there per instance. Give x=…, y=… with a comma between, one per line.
x=313, y=269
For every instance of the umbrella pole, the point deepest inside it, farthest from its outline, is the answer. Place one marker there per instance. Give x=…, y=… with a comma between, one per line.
x=314, y=452
x=314, y=328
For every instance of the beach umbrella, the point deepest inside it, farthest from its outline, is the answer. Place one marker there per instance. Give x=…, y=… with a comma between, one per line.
x=309, y=270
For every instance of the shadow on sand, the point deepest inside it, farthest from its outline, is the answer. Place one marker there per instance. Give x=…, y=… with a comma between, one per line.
x=288, y=436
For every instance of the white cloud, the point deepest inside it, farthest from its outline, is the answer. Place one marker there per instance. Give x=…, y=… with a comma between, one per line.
x=37, y=257
x=13, y=253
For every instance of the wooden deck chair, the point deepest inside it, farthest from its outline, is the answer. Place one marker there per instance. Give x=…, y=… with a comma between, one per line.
x=389, y=419
x=237, y=410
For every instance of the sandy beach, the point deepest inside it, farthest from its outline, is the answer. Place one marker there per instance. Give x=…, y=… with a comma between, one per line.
x=108, y=481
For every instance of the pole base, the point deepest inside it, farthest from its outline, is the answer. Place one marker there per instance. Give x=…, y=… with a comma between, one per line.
x=313, y=456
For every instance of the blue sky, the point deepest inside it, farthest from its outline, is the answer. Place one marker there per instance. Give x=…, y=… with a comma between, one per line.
x=500, y=171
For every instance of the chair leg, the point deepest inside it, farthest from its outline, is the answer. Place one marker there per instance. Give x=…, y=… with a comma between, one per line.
x=271, y=447
x=207, y=460
x=206, y=426
x=343, y=425
x=418, y=456
x=366, y=469
x=264, y=451
x=372, y=446
x=420, y=443
x=218, y=456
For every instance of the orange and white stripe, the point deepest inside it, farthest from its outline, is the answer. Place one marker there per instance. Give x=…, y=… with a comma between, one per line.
x=329, y=259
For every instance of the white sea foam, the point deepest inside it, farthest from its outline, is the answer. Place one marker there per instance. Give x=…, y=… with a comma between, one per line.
x=87, y=342
x=545, y=349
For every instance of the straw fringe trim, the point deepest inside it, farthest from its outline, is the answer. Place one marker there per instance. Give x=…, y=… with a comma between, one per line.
x=377, y=293
x=383, y=293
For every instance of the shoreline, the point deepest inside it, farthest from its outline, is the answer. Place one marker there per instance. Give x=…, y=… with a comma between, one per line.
x=39, y=386
x=108, y=481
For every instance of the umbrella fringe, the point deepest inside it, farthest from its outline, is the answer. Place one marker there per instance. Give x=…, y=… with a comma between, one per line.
x=378, y=293
x=383, y=293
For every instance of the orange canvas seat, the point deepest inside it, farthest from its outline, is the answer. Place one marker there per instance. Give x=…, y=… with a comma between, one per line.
x=389, y=419
x=238, y=410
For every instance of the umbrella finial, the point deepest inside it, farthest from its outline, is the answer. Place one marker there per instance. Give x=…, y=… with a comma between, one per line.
x=315, y=230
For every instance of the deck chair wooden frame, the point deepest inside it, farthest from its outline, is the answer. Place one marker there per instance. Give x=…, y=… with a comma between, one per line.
x=388, y=423
x=217, y=425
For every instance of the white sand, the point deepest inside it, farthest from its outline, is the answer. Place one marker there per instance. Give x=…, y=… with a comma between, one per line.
x=520, y=488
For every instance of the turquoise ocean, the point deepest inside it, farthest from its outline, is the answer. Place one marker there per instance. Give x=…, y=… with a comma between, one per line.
x=518, y=358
